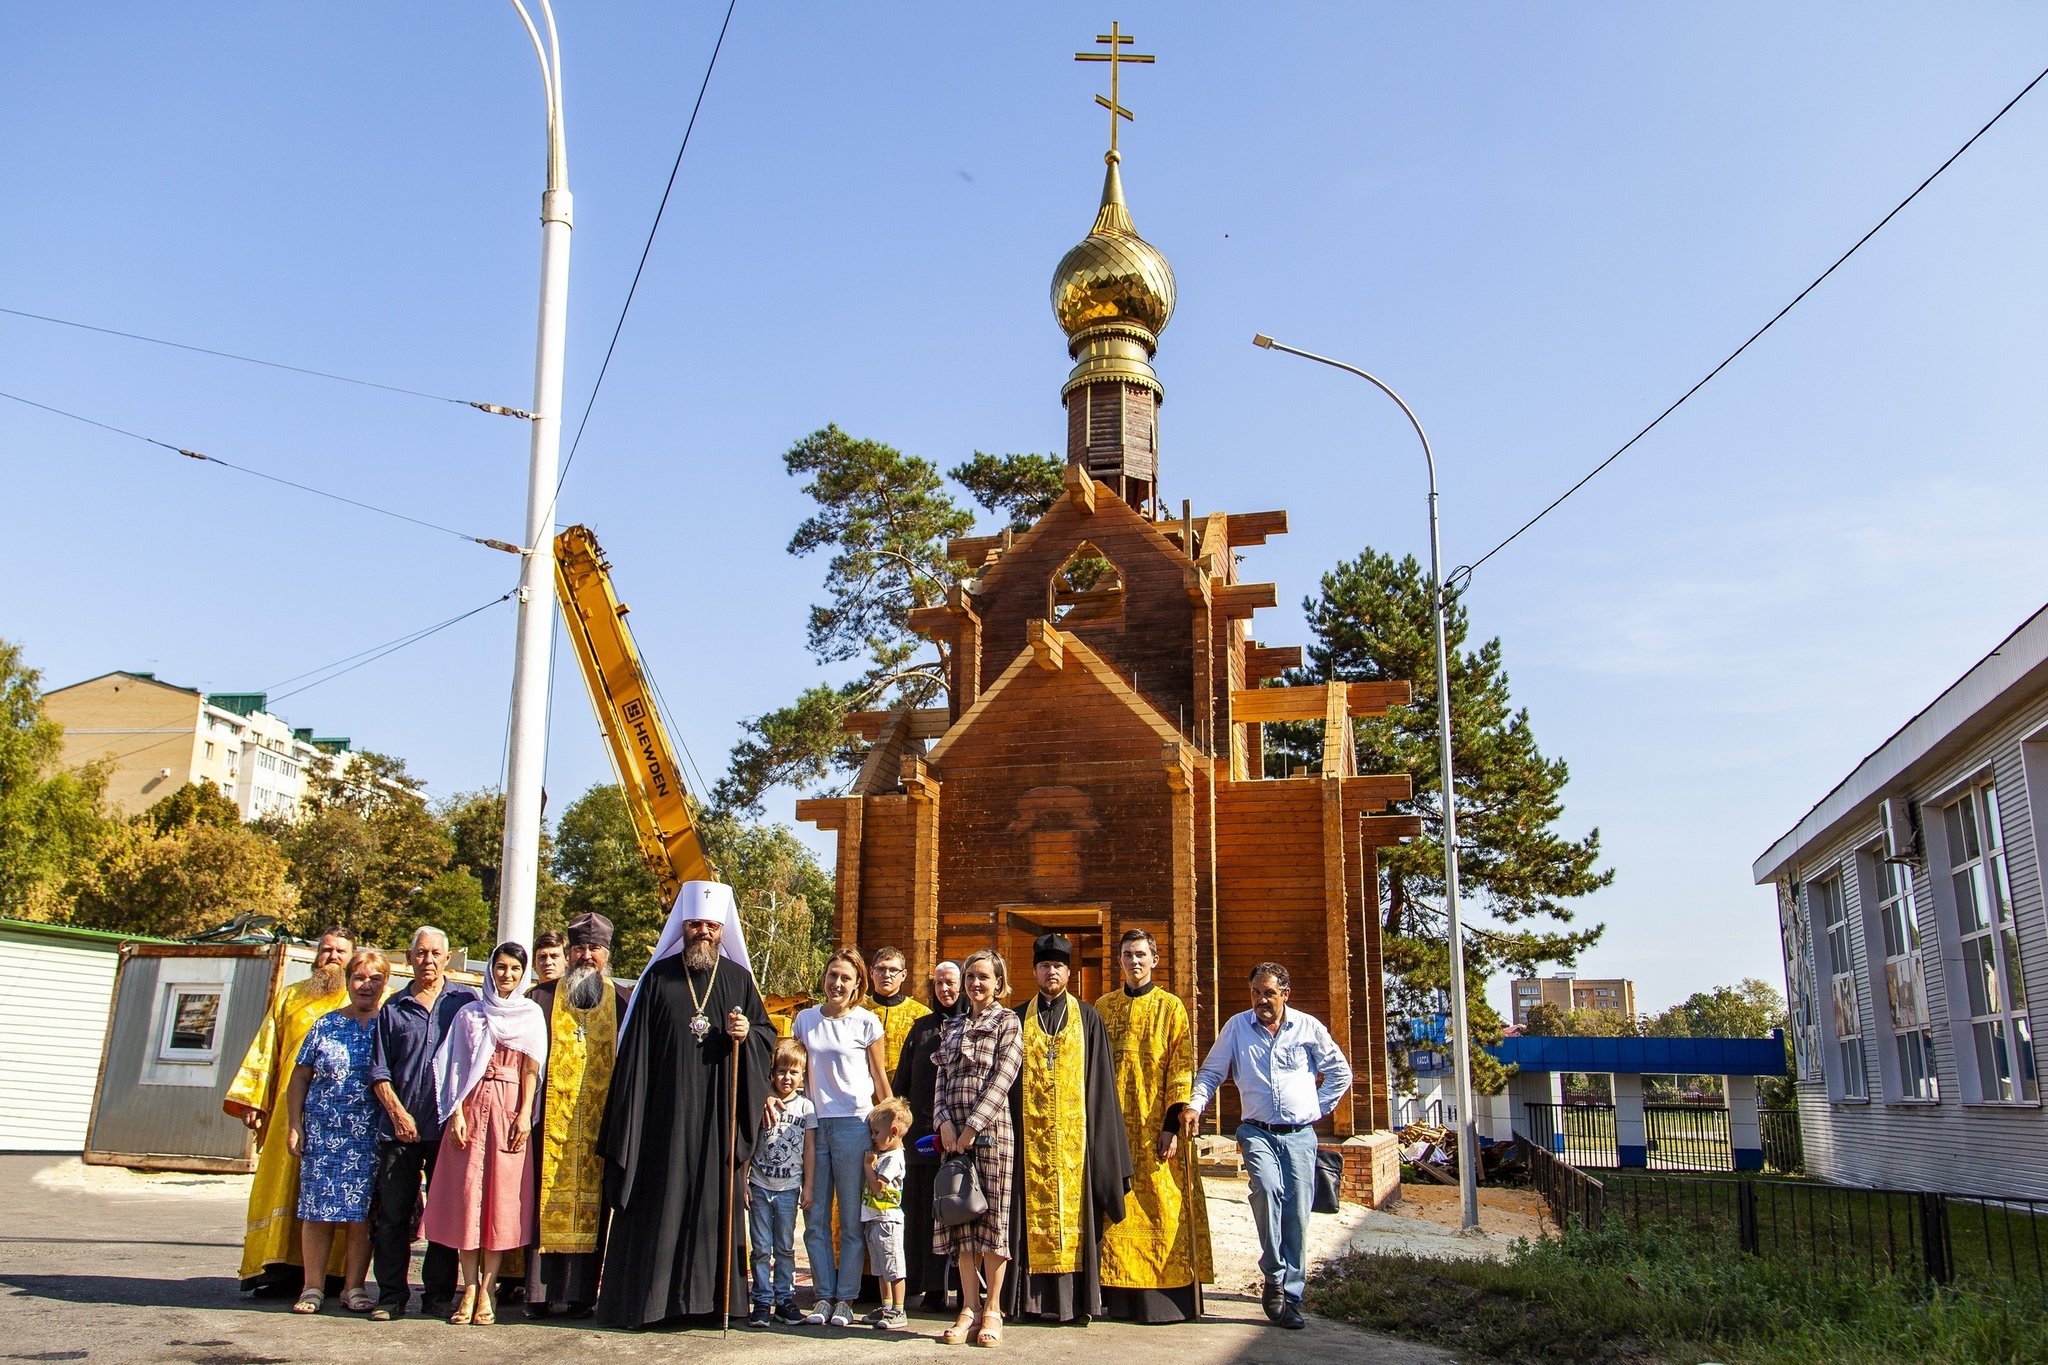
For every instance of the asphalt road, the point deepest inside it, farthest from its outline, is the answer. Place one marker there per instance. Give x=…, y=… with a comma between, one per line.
x=91, y=1273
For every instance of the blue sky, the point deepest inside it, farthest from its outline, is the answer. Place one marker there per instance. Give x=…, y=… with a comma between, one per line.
x=1541, y=225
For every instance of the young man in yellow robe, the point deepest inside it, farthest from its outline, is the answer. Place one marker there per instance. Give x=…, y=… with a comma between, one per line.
x=270, y=1247
x=897, y=1009
x=1152, y=1259
x=1073, y=1168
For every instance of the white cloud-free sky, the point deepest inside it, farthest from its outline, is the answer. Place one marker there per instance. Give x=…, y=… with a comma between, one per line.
x=1541, y=225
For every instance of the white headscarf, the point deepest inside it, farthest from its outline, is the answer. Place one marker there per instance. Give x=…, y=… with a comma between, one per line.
x=699, y=900
x=479, y=1029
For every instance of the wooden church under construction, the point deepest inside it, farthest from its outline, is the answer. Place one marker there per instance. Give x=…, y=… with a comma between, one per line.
x=1099, y=764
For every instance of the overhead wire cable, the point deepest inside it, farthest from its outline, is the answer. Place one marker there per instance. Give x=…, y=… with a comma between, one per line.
x=388, y=649
x=646, y=248
x=496, y=409
x=1458, y=576
x=485, y=541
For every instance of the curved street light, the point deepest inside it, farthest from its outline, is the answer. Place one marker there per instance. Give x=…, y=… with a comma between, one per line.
x=1461, y=1061
x=526, y=764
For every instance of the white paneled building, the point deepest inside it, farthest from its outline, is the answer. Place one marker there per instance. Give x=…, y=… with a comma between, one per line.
x=1912, y=925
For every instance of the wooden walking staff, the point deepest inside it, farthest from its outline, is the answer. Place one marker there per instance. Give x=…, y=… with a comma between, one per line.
x=1187, y=1218
x=732, y=1145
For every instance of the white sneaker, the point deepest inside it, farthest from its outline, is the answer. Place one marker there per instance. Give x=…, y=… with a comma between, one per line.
x=816, y=1317
x=842, y=1314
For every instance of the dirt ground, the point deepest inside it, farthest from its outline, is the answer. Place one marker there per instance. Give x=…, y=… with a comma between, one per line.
x=1504, y=1213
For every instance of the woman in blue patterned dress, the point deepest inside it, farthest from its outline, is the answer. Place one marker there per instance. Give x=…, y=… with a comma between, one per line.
x=334, y=1134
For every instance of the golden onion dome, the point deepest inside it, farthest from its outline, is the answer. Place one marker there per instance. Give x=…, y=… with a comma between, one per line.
x=1113, y=275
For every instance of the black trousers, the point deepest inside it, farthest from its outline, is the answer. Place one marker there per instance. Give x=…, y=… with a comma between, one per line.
x=401, y=1167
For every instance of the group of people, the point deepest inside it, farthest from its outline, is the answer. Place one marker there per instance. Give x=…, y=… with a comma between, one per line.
x=569, y=1137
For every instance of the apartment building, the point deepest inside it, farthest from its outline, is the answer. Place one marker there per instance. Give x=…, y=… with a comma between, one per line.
x=1570, y=992
x=160, y=736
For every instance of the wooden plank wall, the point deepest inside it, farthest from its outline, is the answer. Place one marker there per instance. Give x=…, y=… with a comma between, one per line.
x=888, y=873
x=1157, y=643
x=1062, y=755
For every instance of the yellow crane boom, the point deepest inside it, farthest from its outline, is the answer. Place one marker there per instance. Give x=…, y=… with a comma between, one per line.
x=623, y=698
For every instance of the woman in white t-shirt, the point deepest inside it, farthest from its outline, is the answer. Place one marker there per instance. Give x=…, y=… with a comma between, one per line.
x=846, y=1078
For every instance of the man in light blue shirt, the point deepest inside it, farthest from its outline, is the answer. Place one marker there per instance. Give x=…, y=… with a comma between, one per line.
x=1289, y=1075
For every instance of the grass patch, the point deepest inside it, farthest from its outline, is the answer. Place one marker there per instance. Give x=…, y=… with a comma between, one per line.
x=1665, y=1294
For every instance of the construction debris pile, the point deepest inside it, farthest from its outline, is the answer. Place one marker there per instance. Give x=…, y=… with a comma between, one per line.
x=1432, y=1151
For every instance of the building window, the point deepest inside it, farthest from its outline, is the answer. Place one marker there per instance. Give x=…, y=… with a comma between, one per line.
x=2002, y=1038
x=1905, y=980
x=209, y=748
x=1842, y=970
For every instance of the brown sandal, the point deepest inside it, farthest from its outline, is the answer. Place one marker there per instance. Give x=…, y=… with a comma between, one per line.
x=963, y=1329
x=466, y=1310
x=991, y=1332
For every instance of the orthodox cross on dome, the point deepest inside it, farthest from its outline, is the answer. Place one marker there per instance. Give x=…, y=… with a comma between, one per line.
x=1116, y=38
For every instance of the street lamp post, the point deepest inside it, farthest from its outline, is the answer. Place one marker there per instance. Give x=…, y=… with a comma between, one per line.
x=519, y=867
x=1468, y=1155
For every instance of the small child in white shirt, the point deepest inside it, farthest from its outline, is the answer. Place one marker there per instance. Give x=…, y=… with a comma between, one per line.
x=881, y=1208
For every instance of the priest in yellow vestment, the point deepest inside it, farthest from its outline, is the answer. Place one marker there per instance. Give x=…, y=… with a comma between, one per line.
x=584, y=1011
x=897, y=1009
x=271, y=1257
x=1073, y=1168
x=1152, y=1259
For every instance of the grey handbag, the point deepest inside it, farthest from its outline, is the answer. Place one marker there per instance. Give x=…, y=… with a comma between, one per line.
x=956, y=1194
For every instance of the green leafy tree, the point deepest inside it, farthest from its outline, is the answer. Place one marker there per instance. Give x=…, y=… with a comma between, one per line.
x=597, y=858
x=454, y=903
x=1021, y=488
x=52, y=822
x=785, y=900
x=1749, y=1009
x=364, y=848
x=476, y=827
x=195, y=803
x=1372, y=621
x=1555, y=1021
x=190, y=877
x=885, y=517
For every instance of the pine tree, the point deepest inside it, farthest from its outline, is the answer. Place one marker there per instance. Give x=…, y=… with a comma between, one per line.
x=1372, y=622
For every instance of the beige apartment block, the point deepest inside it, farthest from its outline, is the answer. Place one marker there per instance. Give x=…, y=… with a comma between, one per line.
x=1574, y=993
x=159, y=736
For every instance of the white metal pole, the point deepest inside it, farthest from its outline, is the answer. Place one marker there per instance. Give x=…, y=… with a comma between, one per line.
x=1461, y=1041
x=527, y=763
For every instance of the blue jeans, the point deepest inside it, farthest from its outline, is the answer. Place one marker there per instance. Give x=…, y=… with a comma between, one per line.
x=771, y=1231
x=836, y=1150
x=1282, y=1167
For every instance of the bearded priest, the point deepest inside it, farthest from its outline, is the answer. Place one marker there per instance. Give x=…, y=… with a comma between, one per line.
x=1074, y=1158
x=695, y=1022
x=270, y=1246
x=584, y=1009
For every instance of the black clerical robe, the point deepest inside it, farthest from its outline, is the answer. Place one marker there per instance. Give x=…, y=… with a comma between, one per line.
x=664, y=1145
x=1106, y=1173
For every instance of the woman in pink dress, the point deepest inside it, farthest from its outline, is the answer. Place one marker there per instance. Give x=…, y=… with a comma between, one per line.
x=481, y=1200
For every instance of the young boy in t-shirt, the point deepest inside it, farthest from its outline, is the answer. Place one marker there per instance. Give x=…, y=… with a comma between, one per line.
x=881, y=1208
x=777, y=1174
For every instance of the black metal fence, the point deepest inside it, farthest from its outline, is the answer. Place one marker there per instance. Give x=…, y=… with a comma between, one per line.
x=1582, y=1134
x=1784, y=1149
x=1946, y=1238
x=1687, y=1137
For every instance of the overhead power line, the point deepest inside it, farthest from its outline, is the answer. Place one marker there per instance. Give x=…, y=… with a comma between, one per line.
x=496, y=409
x=1458, y=576
x=257, y=473
x=376, y=652
x=645, y=248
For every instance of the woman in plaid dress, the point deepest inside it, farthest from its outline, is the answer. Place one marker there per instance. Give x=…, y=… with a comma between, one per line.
x=977, y=1062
